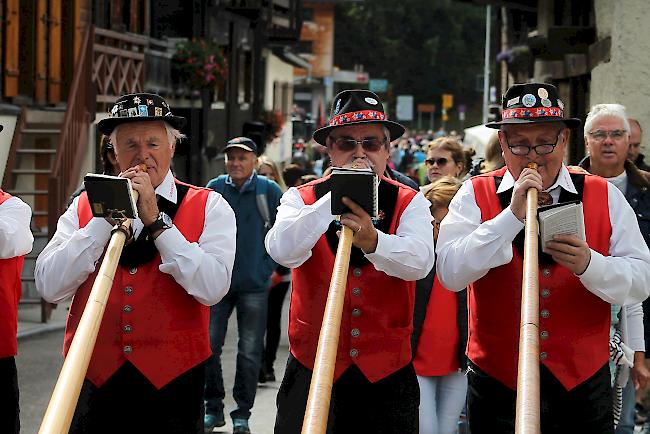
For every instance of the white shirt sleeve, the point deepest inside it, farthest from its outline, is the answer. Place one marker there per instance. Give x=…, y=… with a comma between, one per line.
x=620, y=278
x=635, y=339
x=16, y=237
x=203, y=269
x=407, y=255
x=467, y=249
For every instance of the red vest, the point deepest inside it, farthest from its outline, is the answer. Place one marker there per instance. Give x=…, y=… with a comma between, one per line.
x=377, y=318
x=150, y=320
x=574, y=323
x=437, y=352
x=10, y=290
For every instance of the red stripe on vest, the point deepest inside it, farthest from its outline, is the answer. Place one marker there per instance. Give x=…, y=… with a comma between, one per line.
x=577, y=329
x=167, y=328
x=10, y=290
x=382, y=306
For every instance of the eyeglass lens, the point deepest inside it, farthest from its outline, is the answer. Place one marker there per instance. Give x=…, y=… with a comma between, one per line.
x=439, y=161
x=370, y=145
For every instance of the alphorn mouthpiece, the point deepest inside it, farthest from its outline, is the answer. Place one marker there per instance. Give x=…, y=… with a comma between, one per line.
x=532, y=165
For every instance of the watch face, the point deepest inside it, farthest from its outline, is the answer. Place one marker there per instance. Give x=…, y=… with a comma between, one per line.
x=167, y=221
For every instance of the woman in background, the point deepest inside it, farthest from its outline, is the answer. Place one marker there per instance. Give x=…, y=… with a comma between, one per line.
x=280, y=280
x=440, y=334
x=445, y=157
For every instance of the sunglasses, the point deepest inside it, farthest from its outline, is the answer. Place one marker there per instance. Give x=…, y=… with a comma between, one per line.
x=439, y=161
x=346, y=144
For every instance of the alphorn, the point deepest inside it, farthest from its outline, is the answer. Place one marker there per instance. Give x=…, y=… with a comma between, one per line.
x=63, y=402
x=320, y=389
x=527, y=419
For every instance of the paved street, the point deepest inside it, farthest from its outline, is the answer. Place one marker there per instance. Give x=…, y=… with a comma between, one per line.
x=39, y=362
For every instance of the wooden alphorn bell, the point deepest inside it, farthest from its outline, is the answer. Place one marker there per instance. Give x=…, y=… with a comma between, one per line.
x=527, y=419
x=320, y=389
x=63, y=401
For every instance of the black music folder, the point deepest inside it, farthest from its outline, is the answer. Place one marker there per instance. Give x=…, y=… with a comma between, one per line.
x=110, y=196
x=360, y=185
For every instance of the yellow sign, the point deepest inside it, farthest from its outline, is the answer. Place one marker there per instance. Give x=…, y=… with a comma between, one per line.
x=447, y=100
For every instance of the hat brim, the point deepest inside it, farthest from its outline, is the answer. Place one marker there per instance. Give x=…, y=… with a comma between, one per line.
x=106, y=126
x=240, y=146
x=570, y=122
x=396, y=130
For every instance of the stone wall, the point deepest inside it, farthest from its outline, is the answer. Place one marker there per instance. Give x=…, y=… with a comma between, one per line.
x=625, y=79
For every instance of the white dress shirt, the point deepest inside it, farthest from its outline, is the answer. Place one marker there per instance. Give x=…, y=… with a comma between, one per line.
x=407, y=255
x=16, y=237
x=467, y=249
x=203, y=269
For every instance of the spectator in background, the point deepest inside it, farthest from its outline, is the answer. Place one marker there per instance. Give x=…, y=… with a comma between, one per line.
x=493, y=156
x=440, y=334
x=280, y=280
x=634, y=153
x=607, y=138
x=248, y=291
x=291, y=175
x=445, y=157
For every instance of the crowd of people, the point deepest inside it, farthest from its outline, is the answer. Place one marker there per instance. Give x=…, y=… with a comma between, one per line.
x=430, y=324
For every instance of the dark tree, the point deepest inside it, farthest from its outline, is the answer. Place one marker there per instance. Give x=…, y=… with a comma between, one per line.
x=423, y=47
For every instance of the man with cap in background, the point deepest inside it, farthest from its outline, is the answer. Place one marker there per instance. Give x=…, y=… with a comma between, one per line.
x=147, y=369
x=481, y=245
x=16, y=240
x=375, y=388
x=255, y=200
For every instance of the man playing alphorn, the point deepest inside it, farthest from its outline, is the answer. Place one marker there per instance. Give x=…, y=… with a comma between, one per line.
x=15, y=241
x=375, y=387
x=147, y=372
x=481, y=241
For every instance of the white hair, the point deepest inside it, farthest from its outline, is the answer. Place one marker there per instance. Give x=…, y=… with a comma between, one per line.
x=173, y=135
x=606, y=110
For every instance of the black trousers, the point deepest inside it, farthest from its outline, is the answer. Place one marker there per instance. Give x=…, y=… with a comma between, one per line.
x=273, y=324
x=9, y=410
x=129, y=403
x=389, y=406
x=587, y=408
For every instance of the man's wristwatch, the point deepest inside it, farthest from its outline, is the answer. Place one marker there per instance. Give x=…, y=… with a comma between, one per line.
x=162, y=222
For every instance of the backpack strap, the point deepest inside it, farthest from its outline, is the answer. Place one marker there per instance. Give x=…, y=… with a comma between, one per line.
x=261, y=187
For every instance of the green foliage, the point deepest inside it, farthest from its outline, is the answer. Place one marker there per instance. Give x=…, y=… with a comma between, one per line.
x=200, y=64
x=423, y=47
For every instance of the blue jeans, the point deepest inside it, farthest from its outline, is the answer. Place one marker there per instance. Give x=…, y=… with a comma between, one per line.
x=251, y=324
x=626, y=424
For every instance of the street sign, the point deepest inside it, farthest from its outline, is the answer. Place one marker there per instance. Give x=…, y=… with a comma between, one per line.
x=378, y=85
x=404, y=109
x=447, y=100
x=426, y=108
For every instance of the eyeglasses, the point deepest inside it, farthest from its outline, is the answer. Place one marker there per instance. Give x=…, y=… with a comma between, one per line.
x=600, y=135
x=346, y=144
x=523, y=150
x=439, y=161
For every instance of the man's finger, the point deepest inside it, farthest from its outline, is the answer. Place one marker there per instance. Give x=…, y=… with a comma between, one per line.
x=571, y=240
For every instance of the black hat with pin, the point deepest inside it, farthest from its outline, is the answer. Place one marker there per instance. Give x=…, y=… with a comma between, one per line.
x=357, y=106
x=139, y=107
x=532, y=103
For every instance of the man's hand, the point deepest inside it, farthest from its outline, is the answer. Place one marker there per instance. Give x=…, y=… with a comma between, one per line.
x=147, y=205
x=640, y=372
x=570, y=252
x=365, y=234
x=527, y=179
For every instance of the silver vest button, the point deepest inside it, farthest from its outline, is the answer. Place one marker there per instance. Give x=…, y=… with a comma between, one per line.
x=355, y=333
x=127, y=328
x=133, y=270
x=354, y=352
x=128, y=290
x=356, y=312
x=356, y=291
x=543, y=356
x=127, y=349
x=127, y=308
x=545, y=313
x=357, y=272
x=544, y=334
